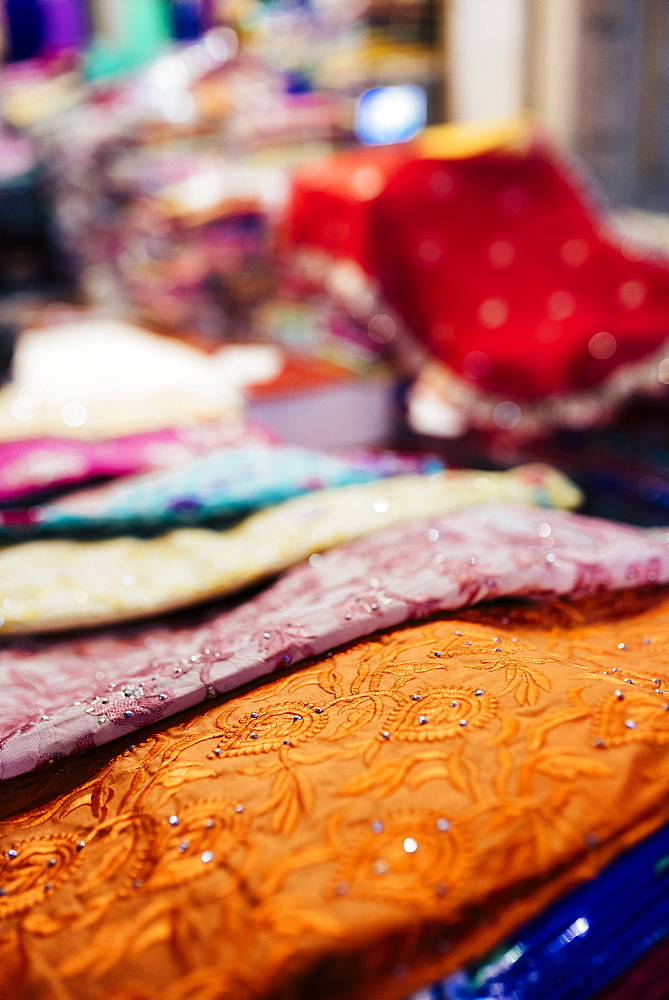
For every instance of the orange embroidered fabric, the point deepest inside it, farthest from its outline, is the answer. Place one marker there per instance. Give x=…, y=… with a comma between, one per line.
x=351, y=829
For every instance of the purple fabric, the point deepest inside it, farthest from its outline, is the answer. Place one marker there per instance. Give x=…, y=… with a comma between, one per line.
x=65, y=694
x=64, y=25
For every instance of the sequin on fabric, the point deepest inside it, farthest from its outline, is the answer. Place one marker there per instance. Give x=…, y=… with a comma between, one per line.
x=331, y=834
x=52, y=701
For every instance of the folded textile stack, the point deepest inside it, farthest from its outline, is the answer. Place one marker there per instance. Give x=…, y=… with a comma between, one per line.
x=584, y=940
x=221, y=486
x=351, y=782
x=34, y=466
x=363, y=824
x=58, y=584
x=163, y=200
x=196, y=255
x=276, y=723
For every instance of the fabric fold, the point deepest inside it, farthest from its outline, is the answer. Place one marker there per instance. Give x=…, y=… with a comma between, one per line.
x=352, y=829
x=60, y=694
x=225, y=484
x=36, y=465
x=582, y=943
x=97, y=377
x=57, y=584
x=537, y=309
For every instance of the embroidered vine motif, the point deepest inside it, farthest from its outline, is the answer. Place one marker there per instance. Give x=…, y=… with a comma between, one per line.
x=623, y=718
x=52, y=702
x=411, y=781
x=287, y=724
x=33, y=868
x=414, y=868
x=441, y=714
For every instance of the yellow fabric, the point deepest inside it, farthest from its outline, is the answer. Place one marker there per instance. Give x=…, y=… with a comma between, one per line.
x=459, y=140
x=59, y=584
x=349, y=830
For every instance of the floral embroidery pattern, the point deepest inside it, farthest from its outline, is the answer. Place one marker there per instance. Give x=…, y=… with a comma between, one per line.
x=442, y=855
x=631, y=718
x=51, y=701
x=441, y=714
x=33, y=867
x=288, y=724
x=339, y=822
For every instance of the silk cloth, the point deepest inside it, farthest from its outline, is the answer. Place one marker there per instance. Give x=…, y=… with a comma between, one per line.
x=354, y=829
x=225, y=484
x=34, y=465
x=57, y=584
x=60, y=694
x=501, y=263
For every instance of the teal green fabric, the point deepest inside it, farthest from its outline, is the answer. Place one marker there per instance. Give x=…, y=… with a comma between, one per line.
x=222, y=486
x=143, y=32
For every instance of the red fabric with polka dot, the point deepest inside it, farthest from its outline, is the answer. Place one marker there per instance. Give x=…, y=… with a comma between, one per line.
x=332, y=197
x=496, y=262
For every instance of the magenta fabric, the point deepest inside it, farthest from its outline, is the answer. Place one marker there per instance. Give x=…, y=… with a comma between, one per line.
x=36, y=465
x=647, y=980
x=61, y=695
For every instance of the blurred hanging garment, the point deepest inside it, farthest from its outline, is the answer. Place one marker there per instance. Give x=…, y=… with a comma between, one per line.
x=62, y=584
x=53, y=701
x=65, y=27
x=534, y=310
x=190, y=18
x=127, y=35
x=354, y=829
x=24, y=28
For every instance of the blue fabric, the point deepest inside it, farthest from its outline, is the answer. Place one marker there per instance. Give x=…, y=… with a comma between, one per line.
x=584, y=941
x=189, y=19
x=24, y=23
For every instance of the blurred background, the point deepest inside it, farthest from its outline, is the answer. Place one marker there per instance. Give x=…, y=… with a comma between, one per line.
x=217, y=171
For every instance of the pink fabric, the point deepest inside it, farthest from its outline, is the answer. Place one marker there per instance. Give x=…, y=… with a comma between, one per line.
x=38, y=464
x=57, y=696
